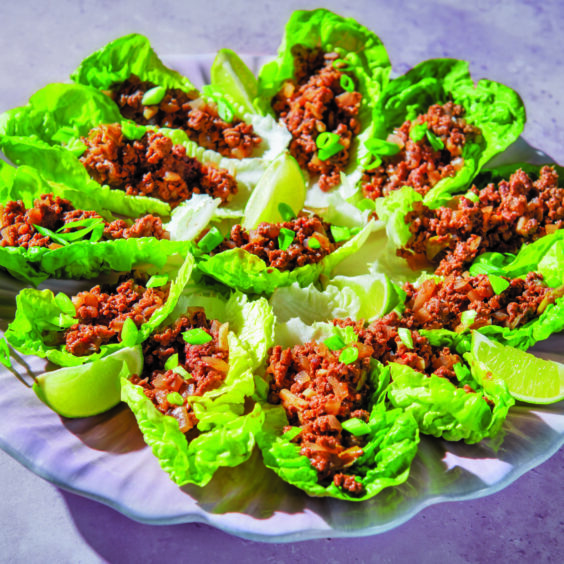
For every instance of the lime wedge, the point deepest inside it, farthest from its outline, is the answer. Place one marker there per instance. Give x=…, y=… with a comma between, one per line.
x=375, y=292
x=528, y=378
x=89, y=389
x=281, y=183
x=233, y=77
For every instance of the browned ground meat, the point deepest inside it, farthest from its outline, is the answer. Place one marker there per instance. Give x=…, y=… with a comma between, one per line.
x=505, y=217
x=318, y=393
x=102, y=313
x=181, y=110
x=417, y=164
x=207, y=365
x=383, y=337
x=263, y=242
x=151, y=166
x=316, y=102
x=439, y=304
x=17, y=223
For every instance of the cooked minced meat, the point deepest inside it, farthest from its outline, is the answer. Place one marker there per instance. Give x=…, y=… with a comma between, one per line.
x=51, y=212
x=182, y=110
x=383, y=337
x=504, y=217
x=417, y=164
x=151, y=166
x=204, y=367
x=101, y=313
x=318, y=393
x=439, y=304
x=264, y=242
x=313, y=103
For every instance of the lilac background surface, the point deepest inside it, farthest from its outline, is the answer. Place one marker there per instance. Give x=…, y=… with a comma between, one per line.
x=518, y=43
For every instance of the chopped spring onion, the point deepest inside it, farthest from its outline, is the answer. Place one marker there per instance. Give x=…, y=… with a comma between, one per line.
x=328, y=145
x=347, y=83
x=498, y=283
x=313, y=243
x=286, y=211
x=285, y=238
x=211, y=240
x=356, y=427
x=405, y=337
x=175, y=398
x=340, y=233
x=349, y=355
x=153, y=96
x=171, y=362
x=197, y=336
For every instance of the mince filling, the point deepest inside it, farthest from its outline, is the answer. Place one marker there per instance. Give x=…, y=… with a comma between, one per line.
x=203, y=367
x=440, y=304
x=502, y=219
x=264, y=242
x=101, y=313
x=318, y=393
x=151, y=166
x=53, y=213
x=314, y=103
x=418, y=164
x=182, y=110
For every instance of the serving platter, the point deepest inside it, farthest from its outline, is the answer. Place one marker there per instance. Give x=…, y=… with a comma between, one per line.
x=105, y=458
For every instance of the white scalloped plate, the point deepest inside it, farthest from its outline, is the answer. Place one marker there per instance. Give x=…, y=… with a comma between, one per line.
x=105, y=458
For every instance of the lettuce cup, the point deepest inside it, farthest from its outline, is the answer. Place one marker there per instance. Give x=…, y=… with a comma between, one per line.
x=327, y=75
x=191, y=398
x=434, y=130
x=147, y=92
x=119, y=313
x=75, y=135
x=327, y=428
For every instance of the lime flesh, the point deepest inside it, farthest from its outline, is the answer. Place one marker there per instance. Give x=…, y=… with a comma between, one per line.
x=89, y=389
x=281, y=183
x=234, y=77
x=529, y=378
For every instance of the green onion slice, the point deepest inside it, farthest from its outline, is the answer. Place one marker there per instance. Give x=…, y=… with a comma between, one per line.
x=349, y=355
x=328, y=145
x=499, y=284
x=171, y=362
x=153, y=96
x=341, y=65
x=197, y=336
x=381, y=148
x=174, y=398
x=347, y=83
x=356, y=427
x=472, y=197
x=212, y=239
x=286, y=211
x=313, y=243
x=181, y=371
x=418, y=131
x=285, y=238
x=340, y=233
x=51, y=234
x=434, y=141
x=334, y=343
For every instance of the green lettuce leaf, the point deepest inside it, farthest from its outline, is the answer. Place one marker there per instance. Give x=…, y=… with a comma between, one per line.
x=119, y=59
x=386, y=460
x=45, y=132
x=244, y=271
x=41, y=316
x=444, y=409
x=364, y=52
x=227, y=432
x=496, y=109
